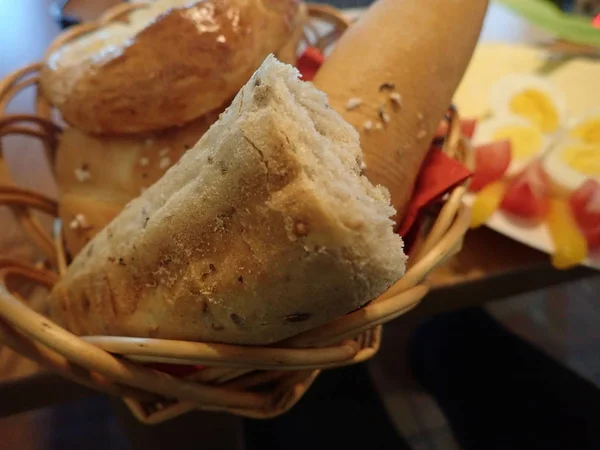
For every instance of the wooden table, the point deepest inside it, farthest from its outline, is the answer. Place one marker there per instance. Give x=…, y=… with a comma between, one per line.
x=26, y=28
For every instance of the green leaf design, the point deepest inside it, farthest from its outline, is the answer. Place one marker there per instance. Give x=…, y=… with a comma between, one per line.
x=545, y=14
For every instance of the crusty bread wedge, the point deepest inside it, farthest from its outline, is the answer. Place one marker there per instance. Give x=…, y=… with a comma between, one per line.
x=264, y=229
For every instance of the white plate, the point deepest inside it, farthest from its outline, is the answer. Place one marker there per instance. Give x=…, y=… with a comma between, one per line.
x=493, y=61
x=536, y=237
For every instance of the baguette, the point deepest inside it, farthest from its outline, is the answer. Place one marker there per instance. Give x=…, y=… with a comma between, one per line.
x=402, y=61
x=167, y=63
x=264, y=229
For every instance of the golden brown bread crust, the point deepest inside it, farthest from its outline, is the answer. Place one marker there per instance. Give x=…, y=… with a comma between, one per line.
x=422, y=48
x=98, y=175
x=244, y=240
x=189, y=61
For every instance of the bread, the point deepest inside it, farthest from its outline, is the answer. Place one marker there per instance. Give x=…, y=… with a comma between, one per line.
x=264, y=229
x=167, y=65
x=402, y=60
x=98, y=175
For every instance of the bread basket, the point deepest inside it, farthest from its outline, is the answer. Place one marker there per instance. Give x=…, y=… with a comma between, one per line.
x=258, y=382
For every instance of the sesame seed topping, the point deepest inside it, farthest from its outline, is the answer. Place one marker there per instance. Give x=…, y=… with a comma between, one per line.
x=420, y=116
x=144, y=161
x=221, y=39
x=421, y=134
x=164, y=151
x=378, y=126
x=385, y=117
x=353, y=103
x=396, y=98
x=368, y=125
x=165, y=162
x=83, y=174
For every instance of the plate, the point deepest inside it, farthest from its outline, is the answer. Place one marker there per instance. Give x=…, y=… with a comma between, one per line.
x=536, y=236
x=576, y=77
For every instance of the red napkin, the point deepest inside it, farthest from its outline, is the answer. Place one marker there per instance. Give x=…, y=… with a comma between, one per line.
x=439, y=175
x=309, y=62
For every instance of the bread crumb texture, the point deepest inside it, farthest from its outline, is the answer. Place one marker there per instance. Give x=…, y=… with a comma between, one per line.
x=264, y=229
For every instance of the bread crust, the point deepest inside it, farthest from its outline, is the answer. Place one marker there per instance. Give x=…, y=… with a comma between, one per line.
x=236, y=243
x=186, y=63
x=417, y=50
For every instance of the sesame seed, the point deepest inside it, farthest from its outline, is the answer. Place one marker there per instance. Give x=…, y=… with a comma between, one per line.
x=353, y=103
x=165, y=162
x=79, y=221
x=82, y=174
x=420, y=116
x=301, y=228
x=421, y=134
x=221, y=39
x=378, y=126
x=396, y=98
x=164, y=151
x=385, y=117
x=144, y=161
x=368, y=125
x=387, y=86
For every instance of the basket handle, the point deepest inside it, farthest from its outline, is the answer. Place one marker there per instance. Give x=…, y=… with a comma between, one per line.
x=330, y=15
x=40, y=126
x=79, y=354
x=22, y=201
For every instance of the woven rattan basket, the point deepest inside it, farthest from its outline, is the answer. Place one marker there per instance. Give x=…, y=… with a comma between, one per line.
x=257, y=382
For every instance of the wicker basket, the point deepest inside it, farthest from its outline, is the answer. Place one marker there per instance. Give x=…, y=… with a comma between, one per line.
x=257, y=382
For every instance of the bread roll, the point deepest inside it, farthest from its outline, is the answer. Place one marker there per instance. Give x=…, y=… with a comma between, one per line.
x=392, y=76
x=167, y=64
x=98, y=175
x=264, y=229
